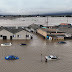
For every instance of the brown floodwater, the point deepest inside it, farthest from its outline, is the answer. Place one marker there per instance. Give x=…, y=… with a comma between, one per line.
x=30, y=56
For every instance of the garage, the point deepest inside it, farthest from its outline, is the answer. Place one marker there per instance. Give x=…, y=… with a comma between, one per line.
x=4, y=37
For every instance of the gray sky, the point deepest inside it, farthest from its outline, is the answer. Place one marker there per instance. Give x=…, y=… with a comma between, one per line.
x=34, y=6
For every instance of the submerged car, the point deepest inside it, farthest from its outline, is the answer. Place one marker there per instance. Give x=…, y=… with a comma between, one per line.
x=51, y=57
x=22, y=44
x=6, y=44
x=62, y=42
x=11, y=57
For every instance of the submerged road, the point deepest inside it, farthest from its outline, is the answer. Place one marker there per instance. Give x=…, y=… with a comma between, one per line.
x=31, y=56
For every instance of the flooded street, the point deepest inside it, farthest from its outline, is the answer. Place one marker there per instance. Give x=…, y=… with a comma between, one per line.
x=30, y=56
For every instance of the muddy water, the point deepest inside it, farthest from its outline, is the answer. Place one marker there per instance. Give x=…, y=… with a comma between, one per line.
x=30, y=56
x=26, y=21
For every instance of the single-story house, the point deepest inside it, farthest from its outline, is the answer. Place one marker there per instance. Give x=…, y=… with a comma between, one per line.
x=68, y=31
x=34, y=27
x=14, y=33
x=67, y=25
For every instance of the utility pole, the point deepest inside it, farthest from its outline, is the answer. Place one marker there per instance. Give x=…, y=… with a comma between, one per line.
x=41, y=54
x=41, y=57
x=47, y=21
x=67, y=19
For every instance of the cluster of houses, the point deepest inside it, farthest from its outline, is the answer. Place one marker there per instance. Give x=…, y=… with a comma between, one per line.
x=59, y=32
x=51, y=34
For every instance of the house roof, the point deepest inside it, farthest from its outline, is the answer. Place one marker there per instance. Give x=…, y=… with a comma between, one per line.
x=34, y=26
x=12, y=29
x=65, y=24
x=50, y=30
x=67, y=30
x=1, y=28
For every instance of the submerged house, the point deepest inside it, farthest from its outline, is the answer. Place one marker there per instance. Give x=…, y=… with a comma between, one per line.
x=11, y=33
x=46, y=33
x=67, y=25
x=34, y=27
x=4, y=34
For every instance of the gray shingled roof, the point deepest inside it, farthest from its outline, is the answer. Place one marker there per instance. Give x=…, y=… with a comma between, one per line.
x=11, y=29
x=67, y=30
x=1, y=28
x=34, y=26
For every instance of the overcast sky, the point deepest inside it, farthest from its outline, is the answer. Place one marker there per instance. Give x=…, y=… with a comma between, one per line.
x=34, y=6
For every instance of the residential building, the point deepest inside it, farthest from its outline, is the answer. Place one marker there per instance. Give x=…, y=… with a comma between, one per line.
x=45, y=32
x=67, y=25
x=34, y=27
x=12, y=33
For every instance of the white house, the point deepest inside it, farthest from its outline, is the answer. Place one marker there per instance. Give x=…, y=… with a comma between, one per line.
x=4, y=34
x=11, y=33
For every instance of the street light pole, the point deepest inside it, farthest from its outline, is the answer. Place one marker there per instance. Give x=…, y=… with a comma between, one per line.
x=67, y=19
x=41, y=57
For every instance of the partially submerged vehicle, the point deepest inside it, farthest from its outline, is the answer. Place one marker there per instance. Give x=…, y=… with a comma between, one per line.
x=11, y=57
x=62, y=42
x=6, y=44
x=51, y=57
x=23, y=44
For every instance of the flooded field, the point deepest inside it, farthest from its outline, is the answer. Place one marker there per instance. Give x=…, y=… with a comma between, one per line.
x=25, y=21
x=30, y=56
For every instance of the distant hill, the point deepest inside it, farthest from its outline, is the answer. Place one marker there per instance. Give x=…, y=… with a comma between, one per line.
x=59, y=14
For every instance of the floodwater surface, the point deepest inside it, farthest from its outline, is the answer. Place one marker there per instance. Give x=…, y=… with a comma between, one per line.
x=30, y=59
x=26, y=21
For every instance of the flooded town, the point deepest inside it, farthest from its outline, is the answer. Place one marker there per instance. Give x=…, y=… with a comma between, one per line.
x=35, y=36
x=33, y=43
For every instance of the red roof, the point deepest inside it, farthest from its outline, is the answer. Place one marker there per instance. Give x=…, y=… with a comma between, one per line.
x=64, y=24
